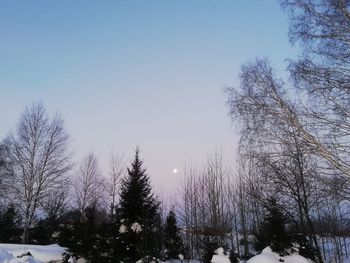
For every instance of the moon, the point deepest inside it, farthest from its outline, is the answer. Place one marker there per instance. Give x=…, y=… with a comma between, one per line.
x=175, y=171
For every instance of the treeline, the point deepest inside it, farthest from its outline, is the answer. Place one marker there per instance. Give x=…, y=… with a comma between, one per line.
x=113, y=217
x=45, y=199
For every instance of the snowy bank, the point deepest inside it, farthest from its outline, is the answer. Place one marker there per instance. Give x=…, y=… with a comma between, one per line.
x=6, y=257
x=267, y=256
x=220, y=257
x=40, y=254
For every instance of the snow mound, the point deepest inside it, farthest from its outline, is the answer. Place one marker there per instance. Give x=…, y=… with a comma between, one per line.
x=268, y=256
x=136, y=227
x=220, y=257
x=6, y=257
x=122, y=229
x=40, y=254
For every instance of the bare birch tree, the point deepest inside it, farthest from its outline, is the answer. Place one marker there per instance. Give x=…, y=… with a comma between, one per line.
x=3, y=161
x=39, y=160
x=111, y=184
x=323, y=72
x=88, y=184
x=204, y=206
x=55, y=203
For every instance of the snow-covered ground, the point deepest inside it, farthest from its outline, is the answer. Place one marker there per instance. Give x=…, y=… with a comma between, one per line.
x=220, y=257
x=13, y=253
x=267, y=256
x=17, y=253
x=6, y=257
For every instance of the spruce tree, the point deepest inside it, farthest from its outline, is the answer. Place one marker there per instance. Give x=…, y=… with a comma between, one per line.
x=173, y=242
x=138, y=214
x=209, y=246
x=272, y=230
x=87, y=236
x=9, y=224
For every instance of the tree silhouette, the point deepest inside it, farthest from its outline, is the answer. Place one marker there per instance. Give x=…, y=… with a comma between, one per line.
x=173, y=242
x=138, y=215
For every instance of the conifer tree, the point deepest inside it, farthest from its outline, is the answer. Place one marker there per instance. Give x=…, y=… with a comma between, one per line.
x=173, y=242
x=209, y=247
x=138, y=215
x=86, y=236
x=272, y=230
x=9, y=224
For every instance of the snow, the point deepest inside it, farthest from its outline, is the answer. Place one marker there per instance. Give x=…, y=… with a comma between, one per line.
x=44, y=254
x=220, y=257
x=267, y=256
x=122, y=229
x=6, y=257
x=219, y=251
x=40, y=254
x=136, y=227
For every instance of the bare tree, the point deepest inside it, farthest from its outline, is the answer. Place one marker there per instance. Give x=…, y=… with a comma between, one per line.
x=204, y=205
x=88, y=184
x=55, y=203
x=264, y=109
x=323, y=71
x=3, y=162
x=111, y=184
x=38, y=160
x=214, y=186
x=188, y=209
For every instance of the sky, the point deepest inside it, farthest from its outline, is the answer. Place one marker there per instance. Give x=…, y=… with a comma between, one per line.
x=150, y=73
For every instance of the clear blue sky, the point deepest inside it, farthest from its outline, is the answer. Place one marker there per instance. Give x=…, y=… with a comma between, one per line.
x=126, y=73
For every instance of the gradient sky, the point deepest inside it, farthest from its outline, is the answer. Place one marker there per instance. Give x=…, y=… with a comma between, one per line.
x=126, y=73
